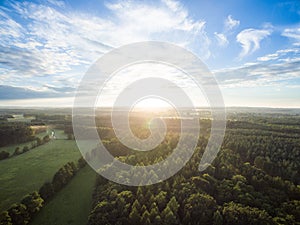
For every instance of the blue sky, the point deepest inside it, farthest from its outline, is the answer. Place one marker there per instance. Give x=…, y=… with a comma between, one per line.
x=252, y=47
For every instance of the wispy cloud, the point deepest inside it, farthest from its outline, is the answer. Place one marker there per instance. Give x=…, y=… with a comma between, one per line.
x=293, y=33
x=10, y=29
x=229, y=25
x=222, y=39
x=46, y=45
x=12, y=92
x=268, y=57
x=84, y=38
x=276, y=69
x=53, y=41
x=250, y=40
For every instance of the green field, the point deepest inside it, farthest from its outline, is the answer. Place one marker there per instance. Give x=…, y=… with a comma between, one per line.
x=21, y=118
x=72, y=204
x=27, y=172
x=11, y=148
x=59, y=134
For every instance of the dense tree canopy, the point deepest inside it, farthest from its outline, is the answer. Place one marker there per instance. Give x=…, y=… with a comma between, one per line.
x=254, y=179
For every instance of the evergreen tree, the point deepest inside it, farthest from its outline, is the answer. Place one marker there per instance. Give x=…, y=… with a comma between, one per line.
x=134, y=216
x=146, y=218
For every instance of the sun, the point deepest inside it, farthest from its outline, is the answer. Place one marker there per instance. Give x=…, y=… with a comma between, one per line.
x=151, y=103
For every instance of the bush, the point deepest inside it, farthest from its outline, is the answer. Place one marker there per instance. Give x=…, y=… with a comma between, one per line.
x=25, y=149
x=4, y=155
x=63, y=176
x=17, y=151
x=19, y=214
x=46, y=191
x=5, y=219
x=33, y=203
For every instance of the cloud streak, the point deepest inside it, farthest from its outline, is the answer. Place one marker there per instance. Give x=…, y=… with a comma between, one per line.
x=293, y=33
x=229, y=25
x=222, y=39
x=260, y=74
x=58, y=39
x=53, y=42
x=11, y=92
x=250, y=40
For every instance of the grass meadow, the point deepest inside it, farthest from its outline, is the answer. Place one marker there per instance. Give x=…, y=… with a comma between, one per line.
x=72, y=205
x=27, y=172
x=59, y=134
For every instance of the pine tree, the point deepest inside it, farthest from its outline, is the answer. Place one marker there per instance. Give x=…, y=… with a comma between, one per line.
x=134, y=216
x=217, y=219
x=136, y=204
x=173, y=205
x=153, y=211
x=168, y=217
x=146, y=218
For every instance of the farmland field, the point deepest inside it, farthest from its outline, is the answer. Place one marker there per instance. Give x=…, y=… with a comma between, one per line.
x=27, y=172
x=72, y=204
x=59, y=134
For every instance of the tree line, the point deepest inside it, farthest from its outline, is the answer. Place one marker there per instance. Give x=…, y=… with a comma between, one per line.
x=18, y=151
x=15, y=133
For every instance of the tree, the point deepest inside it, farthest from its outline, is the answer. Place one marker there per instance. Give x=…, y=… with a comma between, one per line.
x=46, y=191
x=157, y=220
x=201, y=208
x=235, y=214
x=5, y=219
x=134, y=216
x=102, y=214
x=161, y=200
x=59, y=179
x=63, y=176
x=136, y=204
x=259, y=162
x=19, y=214
x=154, y=212
x=217, y=218
x=38, y=141
x=173, y=205
x=33, y=203
x=4, y=155
x=25, y=149
x=187, y=218
x=46, y=139
x=168, y=217
x=70, y=137
x=293, y=208
x=145, y=220
x=81, y=162
x=17, y=151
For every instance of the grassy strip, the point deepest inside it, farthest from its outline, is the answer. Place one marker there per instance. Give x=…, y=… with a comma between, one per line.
x=70, y=206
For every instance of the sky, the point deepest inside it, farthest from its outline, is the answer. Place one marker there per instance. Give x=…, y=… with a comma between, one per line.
x=252, y=47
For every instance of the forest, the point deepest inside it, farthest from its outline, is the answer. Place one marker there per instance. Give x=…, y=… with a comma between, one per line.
x=254, y=179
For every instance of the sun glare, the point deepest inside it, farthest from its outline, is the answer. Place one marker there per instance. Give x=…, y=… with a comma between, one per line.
x=151, y=103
